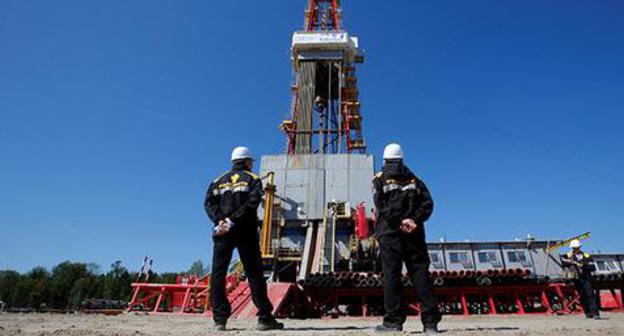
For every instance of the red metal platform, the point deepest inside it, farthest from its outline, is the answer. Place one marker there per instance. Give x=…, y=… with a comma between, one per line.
x=291, y=300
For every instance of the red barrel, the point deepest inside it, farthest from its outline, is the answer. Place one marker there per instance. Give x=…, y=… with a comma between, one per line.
x=361, y=224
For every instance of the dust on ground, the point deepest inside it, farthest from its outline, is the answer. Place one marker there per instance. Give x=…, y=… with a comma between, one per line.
x=148, y=325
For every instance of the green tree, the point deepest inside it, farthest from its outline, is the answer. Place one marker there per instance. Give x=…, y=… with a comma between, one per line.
x=21, y=290
x=197, y=268
x=69, y=283
x=81, y=289
x=40, y=287
x=117, y=282
x=8, y=281
x=169, y=277
x=64, y=275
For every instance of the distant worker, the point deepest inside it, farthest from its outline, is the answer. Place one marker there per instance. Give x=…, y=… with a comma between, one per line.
x=403, y=205
x=579, y=261
x=231, y=203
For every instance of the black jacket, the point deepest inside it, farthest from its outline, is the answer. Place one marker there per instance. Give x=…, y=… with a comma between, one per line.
x=236, y=195
x=580, y=263
x=399, y=194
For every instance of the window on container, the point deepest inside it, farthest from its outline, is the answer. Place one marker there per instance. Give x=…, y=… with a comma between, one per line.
x=482, y=257
x=459, y=257
x=614, y=266
x=435, y=258
x=516, y=256
x=488, y=257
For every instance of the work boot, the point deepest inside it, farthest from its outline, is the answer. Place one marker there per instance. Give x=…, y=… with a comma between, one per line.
x=270, y=324
x=597, y=317
x=384, y=328
x=431, y=330
x=220, y=326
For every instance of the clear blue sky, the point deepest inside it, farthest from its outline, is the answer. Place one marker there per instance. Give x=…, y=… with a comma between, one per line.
x=115, y=115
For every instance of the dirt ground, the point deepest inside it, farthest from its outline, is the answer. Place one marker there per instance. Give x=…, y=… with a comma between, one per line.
x=141, y=325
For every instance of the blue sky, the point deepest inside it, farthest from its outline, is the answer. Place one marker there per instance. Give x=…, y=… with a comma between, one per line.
x=115, y=115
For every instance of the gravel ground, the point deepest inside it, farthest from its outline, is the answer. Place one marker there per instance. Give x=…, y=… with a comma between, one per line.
x=141, y=325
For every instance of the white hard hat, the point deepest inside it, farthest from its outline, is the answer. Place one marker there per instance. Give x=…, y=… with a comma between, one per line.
x=393, y=151
x=575, y=243
x=240, y=153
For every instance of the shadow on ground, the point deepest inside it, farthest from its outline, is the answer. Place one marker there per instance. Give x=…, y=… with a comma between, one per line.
x=326, y=328
x=473, y=329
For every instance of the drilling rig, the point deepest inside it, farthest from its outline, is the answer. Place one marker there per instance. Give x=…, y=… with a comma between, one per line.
x=320, y=188
x=316, y=243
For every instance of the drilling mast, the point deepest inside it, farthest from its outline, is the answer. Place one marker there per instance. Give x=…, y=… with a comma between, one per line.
x=318, y=219
x=325, y=109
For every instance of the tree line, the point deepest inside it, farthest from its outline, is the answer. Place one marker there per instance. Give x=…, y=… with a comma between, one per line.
x=69, y=283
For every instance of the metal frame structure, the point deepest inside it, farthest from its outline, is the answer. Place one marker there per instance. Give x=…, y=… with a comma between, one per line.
x=325, y=101
x=189, y=296
x=353, y=294
x=308, y=198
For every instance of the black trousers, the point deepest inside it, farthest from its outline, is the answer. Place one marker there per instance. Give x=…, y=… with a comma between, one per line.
x=249, y=251
x=589, y=300
x=396, y=249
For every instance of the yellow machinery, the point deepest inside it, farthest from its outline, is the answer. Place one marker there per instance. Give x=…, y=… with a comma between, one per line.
x=267, y=220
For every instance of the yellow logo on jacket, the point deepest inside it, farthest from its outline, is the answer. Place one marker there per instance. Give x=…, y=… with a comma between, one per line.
x=234, y=178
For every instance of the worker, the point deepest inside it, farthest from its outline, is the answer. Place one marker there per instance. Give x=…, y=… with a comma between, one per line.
x=403, y=205
x=231, y=203
x=580, y=263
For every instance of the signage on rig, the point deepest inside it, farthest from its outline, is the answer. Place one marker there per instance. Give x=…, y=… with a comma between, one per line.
x=320, y=39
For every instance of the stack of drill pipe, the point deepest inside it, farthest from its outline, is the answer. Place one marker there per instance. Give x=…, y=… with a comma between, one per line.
x=467, y=277
x=505, y=273
x=607, y=277
x=363, y=280
x=478, y=307
x=513, y=275
x=319, y=280
x=541, y=279
x=369, y=280
x=438, y=281
x=523, y=274
x=307, y=282
x=437, y=277
x=444, y=308
x=450, y=307
x=484, y=277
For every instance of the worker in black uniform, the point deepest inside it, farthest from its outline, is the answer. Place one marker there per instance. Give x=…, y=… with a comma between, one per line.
x=231, y=203
x=403, y=205
x=580, y=263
